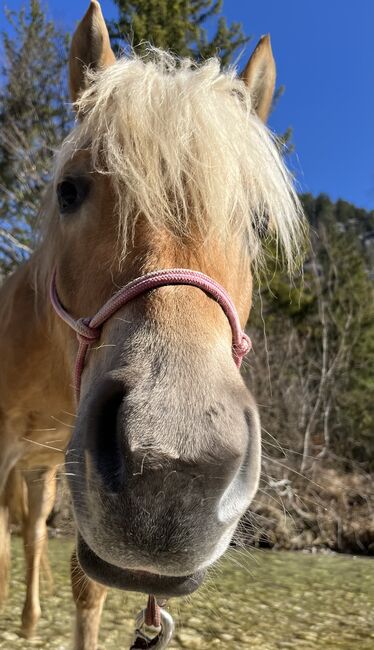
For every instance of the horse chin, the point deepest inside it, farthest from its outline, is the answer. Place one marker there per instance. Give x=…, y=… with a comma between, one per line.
x=132, y=580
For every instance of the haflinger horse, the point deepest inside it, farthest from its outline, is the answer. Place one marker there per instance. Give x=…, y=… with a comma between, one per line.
x=152, y=228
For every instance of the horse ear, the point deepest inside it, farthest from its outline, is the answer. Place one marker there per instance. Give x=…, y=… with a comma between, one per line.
x=259, y=76
x=90, y=48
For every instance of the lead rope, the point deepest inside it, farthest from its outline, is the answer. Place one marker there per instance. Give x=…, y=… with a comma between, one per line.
x=152, y=612
x=154, y=627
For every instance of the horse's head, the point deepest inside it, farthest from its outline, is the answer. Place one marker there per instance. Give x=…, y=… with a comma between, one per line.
x=168, y=166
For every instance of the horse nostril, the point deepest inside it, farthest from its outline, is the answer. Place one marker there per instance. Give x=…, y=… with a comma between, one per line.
x=104, y=436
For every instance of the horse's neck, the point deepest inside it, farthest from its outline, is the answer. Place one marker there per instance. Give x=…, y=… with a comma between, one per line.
x=33, y=364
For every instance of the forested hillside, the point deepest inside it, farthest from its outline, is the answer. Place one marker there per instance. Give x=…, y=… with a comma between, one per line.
x=319, y=333
x=312, y=374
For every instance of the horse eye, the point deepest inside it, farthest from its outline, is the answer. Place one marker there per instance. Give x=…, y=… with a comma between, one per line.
x=70, y=194
x=261, y=226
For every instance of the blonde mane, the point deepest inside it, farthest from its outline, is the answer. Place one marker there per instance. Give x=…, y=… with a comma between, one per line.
x=183, y=148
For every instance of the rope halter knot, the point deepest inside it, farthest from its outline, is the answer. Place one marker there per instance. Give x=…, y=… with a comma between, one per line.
x=86, y=333
x=88, y=330
x=241, y=349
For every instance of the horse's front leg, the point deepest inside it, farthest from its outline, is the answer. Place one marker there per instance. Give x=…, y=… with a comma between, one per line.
x=89, y=598
x=4, y=547
x=10, y=452
x=41, y=488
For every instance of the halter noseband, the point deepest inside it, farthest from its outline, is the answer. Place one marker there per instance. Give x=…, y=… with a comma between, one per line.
x=88, y=330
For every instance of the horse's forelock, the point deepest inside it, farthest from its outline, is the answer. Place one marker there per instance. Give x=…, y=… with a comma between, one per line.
x=184, y=149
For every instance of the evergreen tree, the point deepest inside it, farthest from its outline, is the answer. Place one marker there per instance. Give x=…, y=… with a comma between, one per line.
x=34, y=118
x=179, y=26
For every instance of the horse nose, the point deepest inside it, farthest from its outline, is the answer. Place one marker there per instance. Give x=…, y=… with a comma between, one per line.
x=124, y=464
x=163, y=493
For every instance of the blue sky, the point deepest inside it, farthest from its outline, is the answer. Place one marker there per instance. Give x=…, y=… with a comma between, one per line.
x=324, y=55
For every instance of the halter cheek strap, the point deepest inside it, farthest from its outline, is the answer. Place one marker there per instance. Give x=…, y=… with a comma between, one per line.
x=88, y=330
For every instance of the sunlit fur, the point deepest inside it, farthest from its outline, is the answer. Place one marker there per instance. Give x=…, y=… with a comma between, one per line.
x=184, y=148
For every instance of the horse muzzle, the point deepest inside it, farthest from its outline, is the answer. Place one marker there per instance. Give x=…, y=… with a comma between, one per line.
x=135, y=580
x=151, y=517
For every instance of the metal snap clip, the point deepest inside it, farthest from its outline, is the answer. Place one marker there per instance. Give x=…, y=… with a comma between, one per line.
x=148, y=636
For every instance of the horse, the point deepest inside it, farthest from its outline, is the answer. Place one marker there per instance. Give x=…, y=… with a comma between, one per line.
x=122, y=335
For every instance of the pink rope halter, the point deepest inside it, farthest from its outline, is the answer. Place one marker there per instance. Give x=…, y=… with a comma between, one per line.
x=88, y=330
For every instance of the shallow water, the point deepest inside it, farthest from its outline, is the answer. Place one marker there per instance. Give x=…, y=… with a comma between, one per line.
x=263, y=600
